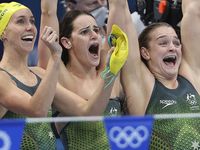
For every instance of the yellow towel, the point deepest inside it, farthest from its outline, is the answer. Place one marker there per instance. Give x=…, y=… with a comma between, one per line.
x=6, y=12
x=120, y=54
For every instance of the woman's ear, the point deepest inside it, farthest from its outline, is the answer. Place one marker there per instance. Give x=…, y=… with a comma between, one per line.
x=145, y=53
x=3, y=37
x=66, y=42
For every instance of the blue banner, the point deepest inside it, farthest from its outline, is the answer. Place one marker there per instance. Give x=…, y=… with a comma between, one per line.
x=129, y=132
x=11, y=132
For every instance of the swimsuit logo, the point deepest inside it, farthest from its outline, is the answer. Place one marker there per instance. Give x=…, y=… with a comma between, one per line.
x=113, y=111
x=51, y=135
x=167, y=103
x=191, y=99
x=129, y=136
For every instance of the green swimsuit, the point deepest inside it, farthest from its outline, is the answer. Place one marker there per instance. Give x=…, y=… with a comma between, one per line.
x=175, y=134
x=89, y=135
x=37, y=136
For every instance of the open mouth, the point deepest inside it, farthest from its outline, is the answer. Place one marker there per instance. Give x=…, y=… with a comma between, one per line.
x=170, y=60
x=94, y=49
x=28, y=38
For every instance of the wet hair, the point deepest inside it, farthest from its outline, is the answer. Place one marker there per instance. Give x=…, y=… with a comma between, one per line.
x=66, y=29
x=145, y=37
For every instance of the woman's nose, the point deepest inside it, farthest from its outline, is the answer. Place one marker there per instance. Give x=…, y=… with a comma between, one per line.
x=30, y=26
x=172, y=46
x=93, y=34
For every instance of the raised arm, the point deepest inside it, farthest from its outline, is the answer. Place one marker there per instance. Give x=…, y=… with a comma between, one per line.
x=48, y=18
x=134, y=74
x=190, y=36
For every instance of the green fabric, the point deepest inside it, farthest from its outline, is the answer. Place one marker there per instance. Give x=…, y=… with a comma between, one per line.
x=85, y=136
x=175, y=134
x=89, y=135
x=37, y=136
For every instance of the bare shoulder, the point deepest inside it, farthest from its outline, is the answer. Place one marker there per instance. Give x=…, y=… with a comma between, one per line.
x=6, y=85
x=38, y=70
x=5, y=80
x=11, y=97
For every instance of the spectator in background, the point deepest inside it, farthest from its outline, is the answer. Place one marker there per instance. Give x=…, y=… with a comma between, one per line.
x=138, y=22
x=98, y=8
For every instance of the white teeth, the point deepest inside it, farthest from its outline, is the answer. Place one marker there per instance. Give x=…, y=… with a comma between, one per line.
x=172, y=56
x=28, y=37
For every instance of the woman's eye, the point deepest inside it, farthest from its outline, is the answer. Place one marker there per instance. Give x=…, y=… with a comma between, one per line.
x=20, y=21
x=164, y=43
x=83, y=32
x=96, y=30
x=32, y=21
x=177, y=43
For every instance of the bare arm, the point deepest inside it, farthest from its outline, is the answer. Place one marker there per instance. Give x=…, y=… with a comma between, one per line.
x=134, y=74
x=48, y=18
x=69, y=103
x=18, y=101
x=190, y=34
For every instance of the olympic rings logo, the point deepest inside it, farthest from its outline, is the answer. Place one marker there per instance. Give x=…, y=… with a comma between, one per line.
x=128, y=136
x=6, y=141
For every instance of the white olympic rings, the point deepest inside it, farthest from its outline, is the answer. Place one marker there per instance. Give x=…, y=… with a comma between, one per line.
x=128, y=136
x=4, y=137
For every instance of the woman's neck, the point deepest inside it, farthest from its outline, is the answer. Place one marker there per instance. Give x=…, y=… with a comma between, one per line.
x=14, y=62
x=82, y=71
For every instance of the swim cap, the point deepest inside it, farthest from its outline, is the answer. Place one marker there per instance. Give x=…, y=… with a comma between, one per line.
x=6, y=12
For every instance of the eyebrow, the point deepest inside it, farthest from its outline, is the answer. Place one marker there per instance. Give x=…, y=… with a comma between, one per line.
x=163, y=36
x=32, y=17
x=84, y=28
x=94, y=26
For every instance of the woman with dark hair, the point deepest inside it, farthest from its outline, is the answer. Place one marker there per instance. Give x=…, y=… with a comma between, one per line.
x=94, y=88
